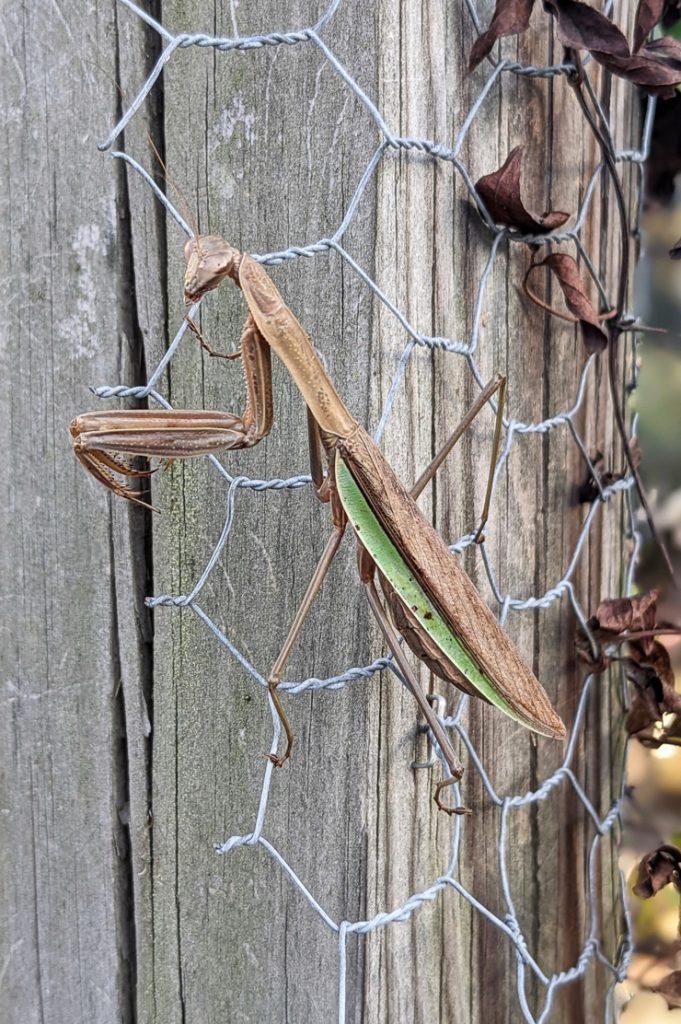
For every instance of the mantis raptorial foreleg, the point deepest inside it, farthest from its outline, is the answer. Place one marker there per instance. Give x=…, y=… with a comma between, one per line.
x=100, y=438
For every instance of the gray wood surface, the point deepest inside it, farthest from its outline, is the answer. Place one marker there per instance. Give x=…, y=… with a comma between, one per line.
x=72, y=708
x=133, y=742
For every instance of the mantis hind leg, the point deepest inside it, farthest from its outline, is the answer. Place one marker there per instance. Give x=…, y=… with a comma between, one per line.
x=497, y=384
x=436, y=727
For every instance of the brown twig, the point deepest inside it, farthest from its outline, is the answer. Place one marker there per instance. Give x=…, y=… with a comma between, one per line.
x=658, y=741
x=644, y=634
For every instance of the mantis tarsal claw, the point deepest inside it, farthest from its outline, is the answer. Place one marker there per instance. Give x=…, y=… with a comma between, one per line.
x=429, y=599
x=443, y=784
x=196, y=331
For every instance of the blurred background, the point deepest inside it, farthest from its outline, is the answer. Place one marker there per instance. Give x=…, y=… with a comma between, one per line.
x=652, y=812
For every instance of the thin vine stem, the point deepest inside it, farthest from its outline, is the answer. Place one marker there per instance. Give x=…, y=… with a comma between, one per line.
x=645, y=634
x=576, y=82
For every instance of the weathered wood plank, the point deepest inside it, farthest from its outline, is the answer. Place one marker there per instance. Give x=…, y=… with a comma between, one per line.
x=240, y=114
x=246, y=133
x=268, y=146
x=67, y=945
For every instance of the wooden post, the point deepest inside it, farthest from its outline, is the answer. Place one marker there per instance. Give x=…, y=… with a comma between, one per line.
x=133, y=742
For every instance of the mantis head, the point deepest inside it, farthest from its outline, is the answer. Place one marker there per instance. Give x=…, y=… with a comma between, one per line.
x=210, y=259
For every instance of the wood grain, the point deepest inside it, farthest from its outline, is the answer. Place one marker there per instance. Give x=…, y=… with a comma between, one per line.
x=73, y=647
x=134, y=742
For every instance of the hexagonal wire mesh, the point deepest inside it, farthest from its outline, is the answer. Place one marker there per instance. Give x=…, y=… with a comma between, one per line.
x=514, y=431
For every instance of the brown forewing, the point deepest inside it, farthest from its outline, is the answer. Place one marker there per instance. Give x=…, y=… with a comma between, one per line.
x=448, y=586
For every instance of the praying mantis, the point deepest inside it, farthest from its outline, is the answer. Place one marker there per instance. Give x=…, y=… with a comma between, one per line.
x=427, y=599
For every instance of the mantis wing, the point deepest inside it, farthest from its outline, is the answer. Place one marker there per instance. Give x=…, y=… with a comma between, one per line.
x=402, y=578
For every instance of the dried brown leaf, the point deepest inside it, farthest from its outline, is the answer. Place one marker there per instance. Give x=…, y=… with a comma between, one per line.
x=644, y=713
x=648, y=14
x=617, y=614
x=654, y=67
x=584, y=28
x=665, y=46
x=657, y=69
x=510, y=18
x=566, y=271
x=649, y=669
x=670, y=988
x=500, y=192
x=657, y=869
x=655, y=656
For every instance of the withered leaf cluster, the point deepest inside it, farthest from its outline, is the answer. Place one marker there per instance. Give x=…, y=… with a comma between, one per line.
x=655, y=714
x=658, y=868
x=654, y=65
x=500, y=192
x=661, y=867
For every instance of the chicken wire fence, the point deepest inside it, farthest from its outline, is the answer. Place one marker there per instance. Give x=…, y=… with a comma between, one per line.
x=514, y=432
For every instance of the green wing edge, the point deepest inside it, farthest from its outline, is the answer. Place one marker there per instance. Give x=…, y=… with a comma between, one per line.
x=391, y=564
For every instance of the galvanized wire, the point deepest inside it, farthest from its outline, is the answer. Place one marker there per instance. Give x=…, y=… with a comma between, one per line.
x=514, y=432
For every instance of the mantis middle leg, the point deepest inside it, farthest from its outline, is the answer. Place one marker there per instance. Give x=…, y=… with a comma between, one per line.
x=313, y=589
x=325, y=492
x=498, y=383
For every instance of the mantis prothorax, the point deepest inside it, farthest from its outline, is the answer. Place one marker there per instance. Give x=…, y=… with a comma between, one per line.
x=427, y=596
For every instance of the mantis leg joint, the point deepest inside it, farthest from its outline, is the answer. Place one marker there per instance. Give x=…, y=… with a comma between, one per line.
x=444, y=784
x=279, y=760
x=439, y=706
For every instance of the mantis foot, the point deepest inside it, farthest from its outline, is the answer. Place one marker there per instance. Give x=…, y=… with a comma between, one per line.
x=276, y=760
x=279, y=760
x=443, y=784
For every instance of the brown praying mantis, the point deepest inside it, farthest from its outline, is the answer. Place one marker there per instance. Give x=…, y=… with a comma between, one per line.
x=427, y=597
